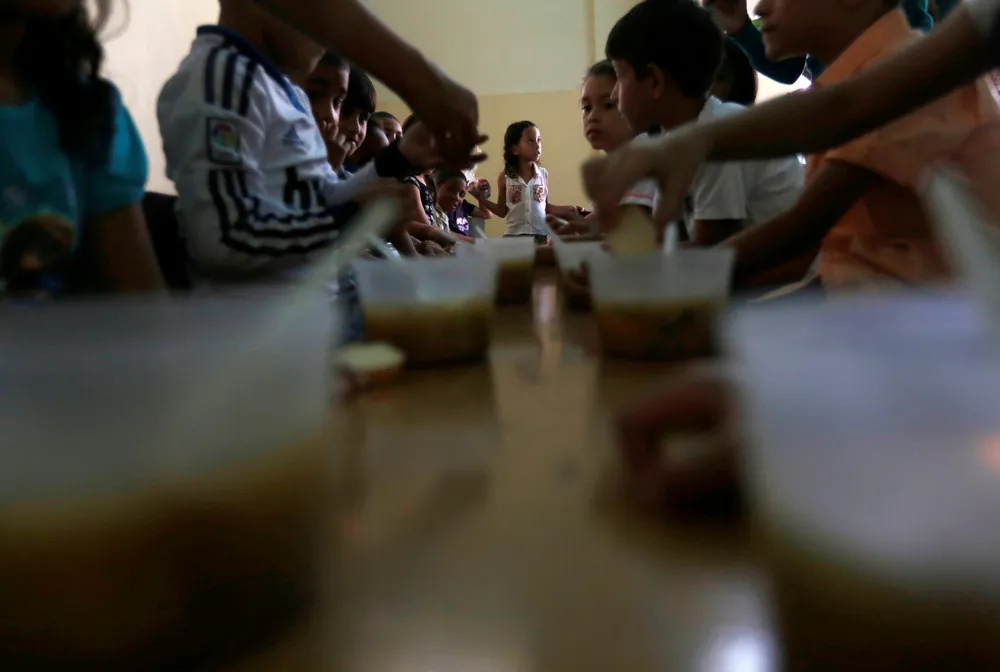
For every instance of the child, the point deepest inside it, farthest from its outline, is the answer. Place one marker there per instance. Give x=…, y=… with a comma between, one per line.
x=666, y=55
x=389, y=124
x=450, y=189
x=603, y=124
x=256, y=195
x=375, y=141
x=731, y=15
x=359, y=105
x=72, y=166
x=524, y=185
x=861, y=201
x=965, y=46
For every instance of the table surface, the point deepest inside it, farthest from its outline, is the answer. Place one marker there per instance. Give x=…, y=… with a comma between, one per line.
x=480, y=527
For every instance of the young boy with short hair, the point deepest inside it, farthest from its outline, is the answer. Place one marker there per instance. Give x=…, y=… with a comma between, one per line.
x=667, y=55
x=256, y=196
x=860, y=203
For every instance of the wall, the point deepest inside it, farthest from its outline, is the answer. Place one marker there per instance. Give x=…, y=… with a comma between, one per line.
x=156, y=36
x=474, y=40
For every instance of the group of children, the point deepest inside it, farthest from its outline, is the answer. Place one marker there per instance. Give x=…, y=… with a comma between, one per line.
x=274, y=143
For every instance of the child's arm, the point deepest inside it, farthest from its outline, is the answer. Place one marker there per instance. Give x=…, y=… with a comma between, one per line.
x=450, y=110
x=952, y=54
x=830, y=193
x=481, y=212
x=499, y=209
x=562, y=211
x=124, y=250
x=115, y=225
x=418, y=225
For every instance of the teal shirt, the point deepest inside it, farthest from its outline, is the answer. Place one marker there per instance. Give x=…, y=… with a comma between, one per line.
x=41, y=185
x=789, y=70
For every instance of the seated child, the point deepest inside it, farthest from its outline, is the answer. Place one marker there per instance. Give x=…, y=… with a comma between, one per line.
x=337, y=112
x=667, y=55
x=450, y=187
x=72, y=165
x=375, y=141
x=256, y=195
x=860, y=205
x=389, y=124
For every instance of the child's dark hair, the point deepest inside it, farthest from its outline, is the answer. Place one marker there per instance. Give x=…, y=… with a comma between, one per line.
x=443, y=175
x=360, y=93
x=60, y=59
x=678, y=36
x=410, y=121
x=511, y=162
x=381, y=114
x=332, y=59
x=738, y=71
x=602, y=69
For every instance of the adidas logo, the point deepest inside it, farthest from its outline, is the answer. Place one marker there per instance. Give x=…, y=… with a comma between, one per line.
x=292, y=139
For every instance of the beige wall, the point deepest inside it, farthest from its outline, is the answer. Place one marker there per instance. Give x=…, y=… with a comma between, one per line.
x=471, y=39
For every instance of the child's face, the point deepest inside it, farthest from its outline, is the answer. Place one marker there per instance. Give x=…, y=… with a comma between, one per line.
x=392, y=128
x=603, y=124
x=530, y=146
x=794, y=27
x=353, y=128
x=375, y=141
x=637, y=98
x=451, y=193
x=326, y=88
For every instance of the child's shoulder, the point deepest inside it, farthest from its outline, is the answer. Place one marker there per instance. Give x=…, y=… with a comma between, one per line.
x=221, y=71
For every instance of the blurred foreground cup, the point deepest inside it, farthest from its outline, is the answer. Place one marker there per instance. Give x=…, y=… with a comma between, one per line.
x=163, y=479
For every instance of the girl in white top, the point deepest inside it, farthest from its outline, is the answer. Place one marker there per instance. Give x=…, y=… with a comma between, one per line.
x=523, y=186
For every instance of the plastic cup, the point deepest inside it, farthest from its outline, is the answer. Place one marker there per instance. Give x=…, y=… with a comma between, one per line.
x=515, y=258
x=660, y=307
x=162, y=480
x=873, y=459
x=435, y=310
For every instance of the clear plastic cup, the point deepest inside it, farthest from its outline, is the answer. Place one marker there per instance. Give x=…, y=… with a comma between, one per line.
x=515, y=258
x=660, y=307
x=434, y=310
x=873, y=457
x=162, y=480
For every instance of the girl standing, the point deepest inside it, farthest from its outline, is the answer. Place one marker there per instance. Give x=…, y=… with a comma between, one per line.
x=523, y=186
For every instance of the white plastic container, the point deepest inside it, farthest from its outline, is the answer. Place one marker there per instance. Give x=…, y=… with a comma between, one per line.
x=873, y=460
x=162, y=477
x=434, y=310
x=661, y=307
x=515, y=258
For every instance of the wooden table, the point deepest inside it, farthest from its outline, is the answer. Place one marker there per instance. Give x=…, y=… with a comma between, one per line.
x=479, y=531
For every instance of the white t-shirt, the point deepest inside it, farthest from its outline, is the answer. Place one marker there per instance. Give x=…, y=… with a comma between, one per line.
x=984, y=13
x=526, y=204
x=753, y=191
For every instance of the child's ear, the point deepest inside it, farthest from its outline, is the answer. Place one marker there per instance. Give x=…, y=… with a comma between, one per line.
x=658, y=81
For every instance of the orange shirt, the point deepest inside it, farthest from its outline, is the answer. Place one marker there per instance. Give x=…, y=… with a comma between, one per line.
x=885, y=237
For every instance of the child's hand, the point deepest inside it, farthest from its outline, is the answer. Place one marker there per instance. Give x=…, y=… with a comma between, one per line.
x=672, y=160
x=479, y=189
x=729, y=15
x=451, y=113
x=682, y=445
x=336, y=148
x=421, y=149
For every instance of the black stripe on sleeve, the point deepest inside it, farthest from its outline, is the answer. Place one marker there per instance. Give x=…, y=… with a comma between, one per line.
x=229, y=80
x=213, y=57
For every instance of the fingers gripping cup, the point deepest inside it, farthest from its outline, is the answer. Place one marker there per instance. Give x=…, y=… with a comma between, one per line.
x=162, y=479
x=574, y=259
x=660, y=307
x=434, y=310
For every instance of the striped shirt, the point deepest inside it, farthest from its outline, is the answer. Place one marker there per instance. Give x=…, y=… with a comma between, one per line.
x=256, y=196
